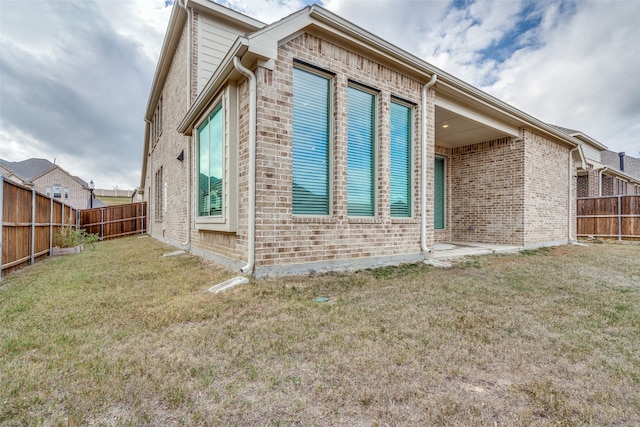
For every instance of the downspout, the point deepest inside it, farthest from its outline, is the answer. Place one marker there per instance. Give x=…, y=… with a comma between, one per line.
x=570, y=204
x=423, y=192
x=251, y=233
x=182, y=4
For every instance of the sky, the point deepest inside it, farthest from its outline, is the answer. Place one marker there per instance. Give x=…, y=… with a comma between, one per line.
x=75, y=75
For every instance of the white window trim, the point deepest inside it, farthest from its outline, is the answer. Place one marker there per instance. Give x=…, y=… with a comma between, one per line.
x=228, y=221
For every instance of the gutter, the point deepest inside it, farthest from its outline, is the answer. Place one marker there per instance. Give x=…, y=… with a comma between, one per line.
x=570, y=205
x=251, y=233
x=423, y=192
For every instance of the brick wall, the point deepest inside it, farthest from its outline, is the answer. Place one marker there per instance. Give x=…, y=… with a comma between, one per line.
x=283, y=238
x=487, y=181
x=78, y=195
x=546, y=190
x=171, y=225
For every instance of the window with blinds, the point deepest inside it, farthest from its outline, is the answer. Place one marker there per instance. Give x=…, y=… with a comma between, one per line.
x=210, y=165
x=439, y=196
x=361, y=152
x=310, y=163
x=400, y=173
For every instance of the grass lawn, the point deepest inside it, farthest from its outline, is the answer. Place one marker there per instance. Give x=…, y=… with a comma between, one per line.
x=120, y=335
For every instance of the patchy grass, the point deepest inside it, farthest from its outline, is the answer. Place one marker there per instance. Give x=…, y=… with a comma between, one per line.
x=122, y=336
x=113, y=200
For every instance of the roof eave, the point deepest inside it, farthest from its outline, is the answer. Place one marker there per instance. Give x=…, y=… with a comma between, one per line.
x=220, y=76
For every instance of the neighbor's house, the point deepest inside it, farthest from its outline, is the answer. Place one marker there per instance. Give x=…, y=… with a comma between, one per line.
x=48, y=178
x=607, y=173
x=311, y=144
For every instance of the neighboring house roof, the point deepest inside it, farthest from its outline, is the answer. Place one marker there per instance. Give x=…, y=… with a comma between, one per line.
x=581, y=136
x=260, y=45
x=31, y=169
x=631, y=164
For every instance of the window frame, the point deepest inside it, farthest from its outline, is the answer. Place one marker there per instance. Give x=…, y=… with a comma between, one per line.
x=57, y=194
x=410, y=157
x=227, y=99
x=330, y=77
x=375, y=149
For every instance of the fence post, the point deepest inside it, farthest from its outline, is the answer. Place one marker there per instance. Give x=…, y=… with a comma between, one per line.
x=101, y=224
x=619, y=218
x=33, y=226
x=1, y=210
x=50, y=224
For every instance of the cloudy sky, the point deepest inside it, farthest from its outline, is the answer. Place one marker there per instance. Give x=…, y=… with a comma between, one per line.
x=75, y=75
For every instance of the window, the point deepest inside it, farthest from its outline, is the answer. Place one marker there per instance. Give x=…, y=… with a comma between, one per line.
x=439, y=199
x=48, y=190
x=156, y=122
x=57, y=191
x=361, y=151
x=210, y=165
x=310, y=163
x=66, y=192
x=215, y=197
x=400, y=173
x=158, y=195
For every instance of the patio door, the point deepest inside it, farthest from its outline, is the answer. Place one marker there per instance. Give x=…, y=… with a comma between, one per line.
x=439, y=193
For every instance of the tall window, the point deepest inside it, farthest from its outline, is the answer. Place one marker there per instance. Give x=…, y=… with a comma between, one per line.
x=311, y=118
x=57, y=191
x=159, y=195
x=400, y=180
x=66, y=192
x=361, y=150
x=48, y=189
x=210, y=165
x=438, y=209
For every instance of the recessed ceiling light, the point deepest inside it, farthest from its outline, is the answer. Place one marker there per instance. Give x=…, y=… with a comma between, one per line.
x=445, y=125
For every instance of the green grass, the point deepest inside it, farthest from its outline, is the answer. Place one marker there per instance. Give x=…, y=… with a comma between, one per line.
x=113, y=200
x=120, y=335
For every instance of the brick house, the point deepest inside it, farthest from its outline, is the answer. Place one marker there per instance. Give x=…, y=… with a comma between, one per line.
x=607, y=173
x=48, y=178
x=311, y=144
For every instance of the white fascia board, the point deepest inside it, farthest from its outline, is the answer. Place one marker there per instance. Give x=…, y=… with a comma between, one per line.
x=215, y=83
x=587, y=139
x=177, y=21
x=476, y=116
x=226, y=14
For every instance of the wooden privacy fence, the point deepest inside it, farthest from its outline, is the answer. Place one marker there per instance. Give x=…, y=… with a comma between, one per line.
x=28, y=221
x=613, y=216
x=115, y=221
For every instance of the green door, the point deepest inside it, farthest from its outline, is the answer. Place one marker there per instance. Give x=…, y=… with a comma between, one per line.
x=438, y=208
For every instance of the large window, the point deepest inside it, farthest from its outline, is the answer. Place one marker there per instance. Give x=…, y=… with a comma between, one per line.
x=210, y=165
x=361, y=152
x=310, y=163
x=400, y=180
x=439, y=197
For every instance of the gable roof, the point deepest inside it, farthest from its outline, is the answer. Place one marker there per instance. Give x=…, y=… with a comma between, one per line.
x=581, y=136
x=261, y=46
x=31, y=169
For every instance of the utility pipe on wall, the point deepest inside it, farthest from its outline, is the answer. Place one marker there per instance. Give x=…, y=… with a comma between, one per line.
x=423, y=192
x=570, y=204
x=251, y=233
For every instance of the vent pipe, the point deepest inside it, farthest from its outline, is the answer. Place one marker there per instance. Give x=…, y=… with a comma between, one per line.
x=621, y=155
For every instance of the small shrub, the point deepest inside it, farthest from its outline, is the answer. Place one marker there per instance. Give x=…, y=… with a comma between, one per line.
x=68, y=236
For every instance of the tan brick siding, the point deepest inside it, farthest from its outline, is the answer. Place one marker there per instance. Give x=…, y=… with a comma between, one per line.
x=283, y=238
x=488, y=192
x=546, y=190
x=78, y=195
